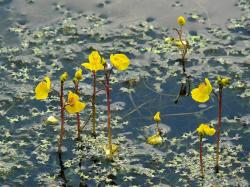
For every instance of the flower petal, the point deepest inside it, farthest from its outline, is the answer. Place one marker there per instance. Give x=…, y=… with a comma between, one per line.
x=41, y=91
x=120, y=61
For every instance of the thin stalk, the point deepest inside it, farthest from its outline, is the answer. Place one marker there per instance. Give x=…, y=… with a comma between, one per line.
x=218, y=130
x=201, y=161
x=93, y=105
x=109, y=114
x=78, y=122
x=157, y=127
x=62, y=108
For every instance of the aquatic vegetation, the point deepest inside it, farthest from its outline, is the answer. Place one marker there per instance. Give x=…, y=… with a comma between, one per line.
x=157, y=137
x=121, y=62
x=204, y=130
x=63, y=78
x=182, y=44
x=222, y=82
x=78, y=77
x=94, y=65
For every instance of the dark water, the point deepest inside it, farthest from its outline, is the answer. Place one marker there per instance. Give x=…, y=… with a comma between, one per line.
x=40, y=38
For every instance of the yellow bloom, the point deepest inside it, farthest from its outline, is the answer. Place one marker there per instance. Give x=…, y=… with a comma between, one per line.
x=78, y=74
x=52, y=120
x=204, y=129
x=157, y=117
x=64, y=77
x=155, y=139
x=42, y=89
x=73, y=104
x=95, y=62
x=202, y=93
x=223, y=81
x=114, y=149
x=181, y=21
x=120, y=61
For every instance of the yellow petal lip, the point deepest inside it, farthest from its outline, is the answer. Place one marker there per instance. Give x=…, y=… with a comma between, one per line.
x=155, y=139
x=42, y=89
x=95, y=62
x=73, y=105
x=202, y=93
x=120, y=61
x=157, y=117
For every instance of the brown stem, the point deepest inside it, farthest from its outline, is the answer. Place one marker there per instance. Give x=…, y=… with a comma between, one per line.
x=201, y=161
x=62, y=117
x=109, y=114
x=183, y=51
x=93, y=105
x=218, y=130
x=78, y=122
x=157, y=127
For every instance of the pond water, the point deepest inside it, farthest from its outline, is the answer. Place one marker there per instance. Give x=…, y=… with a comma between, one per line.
x=48, y=37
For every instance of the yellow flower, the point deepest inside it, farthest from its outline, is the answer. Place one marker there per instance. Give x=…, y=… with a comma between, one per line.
x=155, y=139
x=181, y=21
x=120, y=61
x=73, y=104
x=64, y=77
x=204, y=129
x=42, y=89
x=95, y=62
x=157, y=117
x=202, y=93
x=78, y=74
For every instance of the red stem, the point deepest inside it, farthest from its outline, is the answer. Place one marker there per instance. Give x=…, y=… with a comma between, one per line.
x=109, y=114
x=62, y=117
x=77, y=114
x=218, y=130
x=93, y=105
x=201, y=161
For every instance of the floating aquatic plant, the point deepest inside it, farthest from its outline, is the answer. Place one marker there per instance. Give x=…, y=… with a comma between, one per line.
x=156, y=138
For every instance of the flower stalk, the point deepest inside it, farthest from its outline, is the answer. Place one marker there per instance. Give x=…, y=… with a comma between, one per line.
x=107, y=85
x=78, y=121
x=218, y=129
x=94, y=105
x=62, y=108
x=201, y=160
